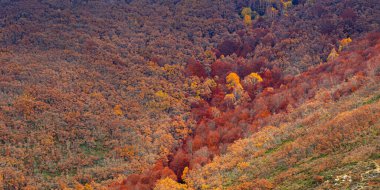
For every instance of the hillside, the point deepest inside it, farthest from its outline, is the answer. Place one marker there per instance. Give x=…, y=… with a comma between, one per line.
x=327, y=142
x=171, y=94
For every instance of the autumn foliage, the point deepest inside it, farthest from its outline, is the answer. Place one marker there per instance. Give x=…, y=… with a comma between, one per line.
x=188, y=94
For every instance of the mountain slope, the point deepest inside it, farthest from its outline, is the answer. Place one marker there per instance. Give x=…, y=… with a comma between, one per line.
x=188, y=94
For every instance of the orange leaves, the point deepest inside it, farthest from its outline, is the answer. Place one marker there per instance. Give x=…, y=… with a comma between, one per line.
x=344, y=42
x=263, y=184
x=243, y=165
x=246, y=12
x=247, y=20
x=126, y=152
x=117, y=110
x=28, y=105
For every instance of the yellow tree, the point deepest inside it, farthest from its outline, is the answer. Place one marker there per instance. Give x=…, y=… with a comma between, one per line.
x=333, y=55
x=168, y=183
x=344, y=42
x=229, y=99
x=253, y=78
x=117, y=110
x=232, y=80
x=246, y=12
x=247, y=19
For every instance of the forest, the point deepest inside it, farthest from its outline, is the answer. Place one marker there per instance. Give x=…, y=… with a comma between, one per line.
x=189, y=94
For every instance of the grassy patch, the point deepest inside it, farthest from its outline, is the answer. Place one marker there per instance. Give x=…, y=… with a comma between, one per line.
x=375, y=156
x=318, y=157
x=372, y=100
x=98, y=150
x=49, y=175
x=271, y=150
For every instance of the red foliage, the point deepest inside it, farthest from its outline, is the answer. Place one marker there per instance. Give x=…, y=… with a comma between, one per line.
x=195, y=68
x=213, y=138
x=221, y=69
x=197, y=143
x=230, y=135
x=198, y=161
x=180, y=161
x=227, y=47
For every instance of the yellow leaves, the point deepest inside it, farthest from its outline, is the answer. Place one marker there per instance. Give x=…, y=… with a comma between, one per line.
x=210, y=55
x=232, y=80
x=286, y=3
x=193, y=85
x=344, y=42
x=202, y=89
x=246, y=11
x=88, y=187
x=171, y=71
x=333, y=55
x=161, y=94
x=254, y=77
x=1, y=179
x=210, y=83
x=229, y=99
x=247, y=15
x=184, y=173
x=162, y=101
x=204, y=187
x=117, y=110
x=168, y=183
x=238, y=91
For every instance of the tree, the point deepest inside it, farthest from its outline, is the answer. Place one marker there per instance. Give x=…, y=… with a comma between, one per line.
x=246, y=11
x=344, y=42
x=117, y=110
x=232, y=80
x=333, y=55
x=247, y=20
x=229, y=100
x=252, y=79
x=169, y=183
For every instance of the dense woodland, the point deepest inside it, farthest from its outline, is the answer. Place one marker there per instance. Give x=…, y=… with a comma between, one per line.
x=171, y=94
